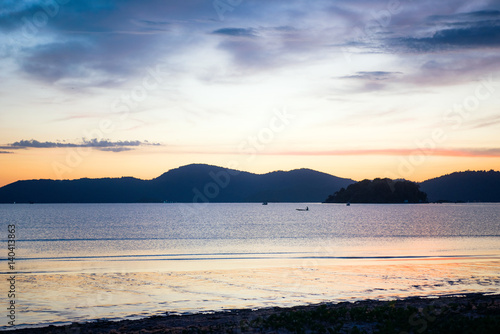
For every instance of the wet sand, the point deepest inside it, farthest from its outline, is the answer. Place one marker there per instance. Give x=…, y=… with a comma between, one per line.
x=470, y=313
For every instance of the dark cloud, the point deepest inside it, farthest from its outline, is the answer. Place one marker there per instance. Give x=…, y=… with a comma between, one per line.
x=360, y=27
x=5, y=152
x=485, y=13
x=270, y=47
x=107, y=58
x=249, y=53
x=103, y=15
x=107, y=144
x=115, y=149
x=102, y=145
x=423, y=27
x=466, y=17
x=153, y=26
x=54, y=61
x=478, y=36
x=36, y=144
x=8, y=147
x=239, y=32
x=451, y=31
x=98, y=43
x=373, y=75
x=370, y=81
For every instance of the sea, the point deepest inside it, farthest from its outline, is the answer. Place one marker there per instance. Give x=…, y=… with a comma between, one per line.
x=74, y=263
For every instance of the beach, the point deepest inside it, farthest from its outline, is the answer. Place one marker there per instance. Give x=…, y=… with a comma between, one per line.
x=468, y=313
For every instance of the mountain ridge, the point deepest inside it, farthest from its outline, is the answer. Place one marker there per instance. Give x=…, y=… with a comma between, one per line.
x=465, y=186
x=187, y=184
x=208, y=183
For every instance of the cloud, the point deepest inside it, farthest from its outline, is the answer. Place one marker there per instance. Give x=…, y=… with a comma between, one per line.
x=238, y=32
x=479, y=36
x=102, y=145
x=8, y=147
x=270, y=48
x=464, y=34
x=369, y=81
x=54, y=61
x=453, y=47
x=115, y=149
x=100, y=43
x=374, y=75
x=455, y=31
x=453, y=68
x=459, y=18
x=105, y=43
x=153, y=26
x=485, y=122
x=36, y=144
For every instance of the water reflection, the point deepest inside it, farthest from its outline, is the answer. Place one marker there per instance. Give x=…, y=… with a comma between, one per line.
x=133, y=260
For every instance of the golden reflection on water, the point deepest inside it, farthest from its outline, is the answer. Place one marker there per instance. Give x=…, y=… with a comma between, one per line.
x=90, y=293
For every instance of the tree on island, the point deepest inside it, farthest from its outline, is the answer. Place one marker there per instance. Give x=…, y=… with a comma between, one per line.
x=379, y=191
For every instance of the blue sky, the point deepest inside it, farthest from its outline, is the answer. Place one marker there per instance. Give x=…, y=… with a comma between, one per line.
x=358, y=89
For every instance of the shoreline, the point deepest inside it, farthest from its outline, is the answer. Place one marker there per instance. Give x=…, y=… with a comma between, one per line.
x=474, y=312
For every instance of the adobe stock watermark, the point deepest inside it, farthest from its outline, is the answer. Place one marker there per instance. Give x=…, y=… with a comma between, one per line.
x=454, y=117
x=11, y=257
x=121, y=108
x=252, y=145
x=419, y=321
x=223, y=6
x=248, y=148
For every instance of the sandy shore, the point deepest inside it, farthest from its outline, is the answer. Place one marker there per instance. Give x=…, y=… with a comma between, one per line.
x=471, y=313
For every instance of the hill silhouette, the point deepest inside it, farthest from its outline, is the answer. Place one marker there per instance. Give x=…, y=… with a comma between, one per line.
x=468, y=186
x=379, y=191
x=204, y=183
x=192, y=183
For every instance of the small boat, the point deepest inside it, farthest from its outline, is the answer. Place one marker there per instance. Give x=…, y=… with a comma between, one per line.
x=348, y=204
x=306, y=209
x=265, y=203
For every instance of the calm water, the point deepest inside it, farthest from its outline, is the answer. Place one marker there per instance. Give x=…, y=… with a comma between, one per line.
x=77, y=262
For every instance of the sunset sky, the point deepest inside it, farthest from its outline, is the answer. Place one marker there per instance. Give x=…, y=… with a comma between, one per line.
x=354, y=88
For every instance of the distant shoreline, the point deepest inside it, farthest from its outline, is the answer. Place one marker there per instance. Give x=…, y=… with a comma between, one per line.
x=473, y=312
x=200, y=183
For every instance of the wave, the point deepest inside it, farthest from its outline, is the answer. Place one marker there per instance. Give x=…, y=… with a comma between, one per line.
x=343, y=236
x=243, y=256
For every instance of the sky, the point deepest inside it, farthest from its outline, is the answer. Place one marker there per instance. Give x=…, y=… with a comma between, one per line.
x=354, y=88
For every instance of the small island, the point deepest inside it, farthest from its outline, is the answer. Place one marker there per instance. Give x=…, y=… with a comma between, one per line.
x=379, y=191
